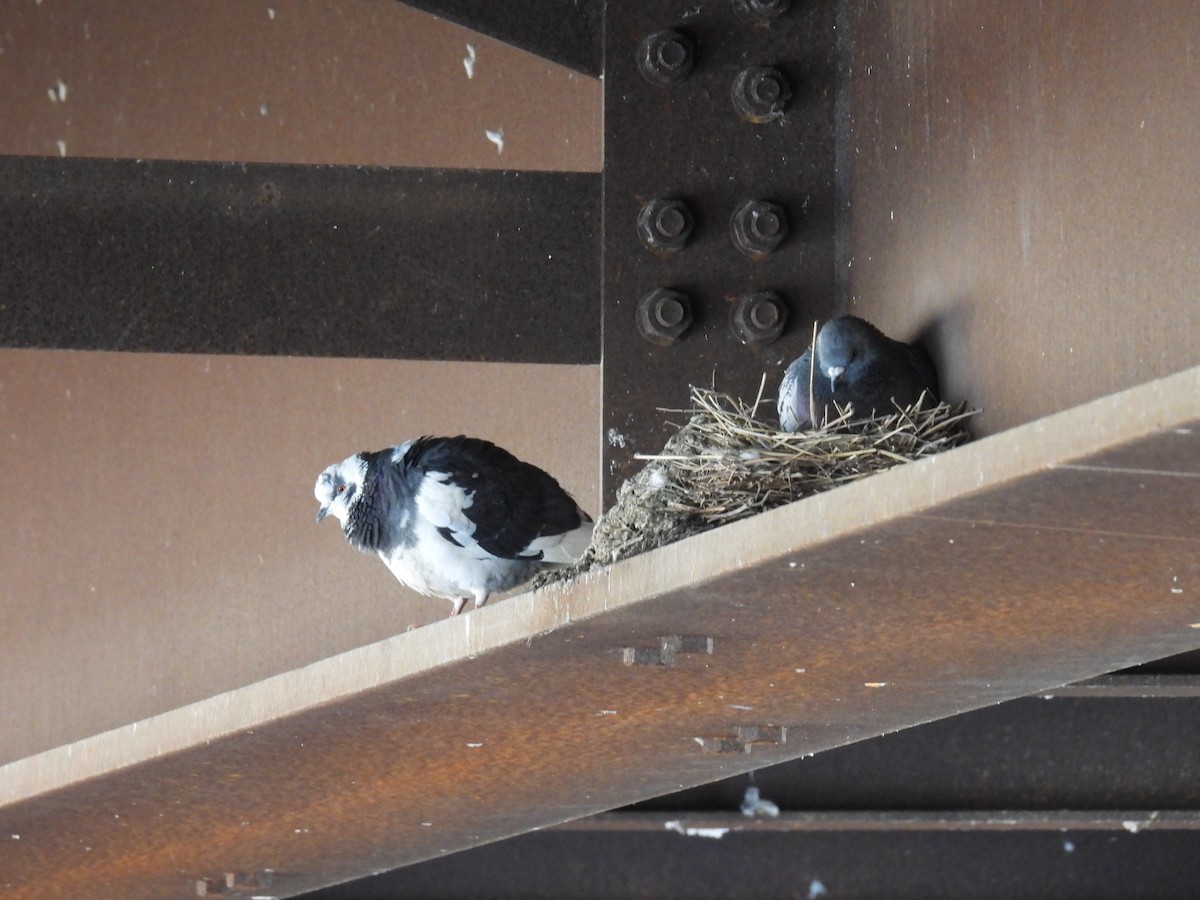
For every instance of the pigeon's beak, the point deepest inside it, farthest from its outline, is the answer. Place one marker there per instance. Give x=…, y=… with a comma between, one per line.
x=834, y=373
x=322, y=512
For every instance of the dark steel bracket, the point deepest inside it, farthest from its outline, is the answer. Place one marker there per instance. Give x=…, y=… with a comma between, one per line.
x=719, y=204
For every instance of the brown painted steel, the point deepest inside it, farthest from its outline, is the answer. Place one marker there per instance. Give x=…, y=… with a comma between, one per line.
x=925, y=591
x=1022, y=190
x=349, y=82
x=158, y=538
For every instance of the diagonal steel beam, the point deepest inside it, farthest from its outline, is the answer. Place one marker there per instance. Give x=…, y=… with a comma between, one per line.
x=1042, y=556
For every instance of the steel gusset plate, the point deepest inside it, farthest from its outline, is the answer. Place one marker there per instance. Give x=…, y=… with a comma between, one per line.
x=709, y=107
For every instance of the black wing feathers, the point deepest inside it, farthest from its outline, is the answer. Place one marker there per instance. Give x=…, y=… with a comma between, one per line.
x=514, y=502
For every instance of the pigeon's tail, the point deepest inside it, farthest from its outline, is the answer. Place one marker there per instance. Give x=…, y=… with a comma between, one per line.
x=569, y=548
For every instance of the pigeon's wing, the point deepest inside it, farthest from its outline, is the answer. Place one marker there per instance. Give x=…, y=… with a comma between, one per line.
x=926, y=374
x=892, y=373
x=792, y=402
x=478, y=494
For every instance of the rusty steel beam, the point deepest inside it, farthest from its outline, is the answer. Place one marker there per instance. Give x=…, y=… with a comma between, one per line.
x=1039, y=557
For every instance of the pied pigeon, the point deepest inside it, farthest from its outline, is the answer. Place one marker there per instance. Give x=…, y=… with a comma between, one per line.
x=457, y=517
x=855, y=364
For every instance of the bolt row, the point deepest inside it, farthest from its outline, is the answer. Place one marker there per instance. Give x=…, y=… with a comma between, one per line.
x=664, y=316
x=756, y=227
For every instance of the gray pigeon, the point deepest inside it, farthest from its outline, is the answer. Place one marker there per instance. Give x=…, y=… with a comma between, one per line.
x=454, y=517
x=855, y=364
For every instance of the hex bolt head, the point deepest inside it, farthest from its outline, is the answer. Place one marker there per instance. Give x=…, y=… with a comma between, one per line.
x=758, y=318
x=665, y=225
x=760, y=94
x=757, y=227
x=761, y=10
x=669, y=222
x=665, y=57
x=664, y=316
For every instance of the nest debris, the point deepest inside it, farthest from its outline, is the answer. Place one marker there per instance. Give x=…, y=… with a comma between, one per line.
x=726, y=464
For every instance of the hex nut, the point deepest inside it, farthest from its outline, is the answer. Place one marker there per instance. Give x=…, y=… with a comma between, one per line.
x=757, y=227
x=664, y=316
x=758, y=318
x=665, y=225
x=760, y=94
x=666, y=57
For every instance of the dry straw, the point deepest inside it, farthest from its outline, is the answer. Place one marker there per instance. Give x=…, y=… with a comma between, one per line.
x=726, y=464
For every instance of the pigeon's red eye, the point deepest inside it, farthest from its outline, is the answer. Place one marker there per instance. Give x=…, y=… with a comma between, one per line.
x=341, y=489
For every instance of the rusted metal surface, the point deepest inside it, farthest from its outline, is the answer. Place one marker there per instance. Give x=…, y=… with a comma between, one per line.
x=1042, y=754
x=925, y=591
x=760, y=195
x=300, y=261
x=1067, y=786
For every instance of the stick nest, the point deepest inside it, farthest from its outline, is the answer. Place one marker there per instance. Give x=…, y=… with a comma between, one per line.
x=726, y=464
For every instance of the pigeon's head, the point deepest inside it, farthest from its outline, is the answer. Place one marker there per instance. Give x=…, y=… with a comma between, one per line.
x=840, y=344
x=339, y=487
